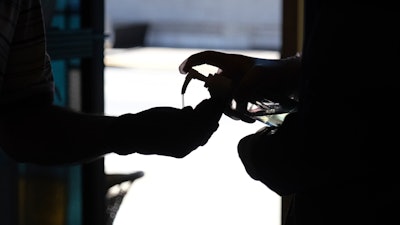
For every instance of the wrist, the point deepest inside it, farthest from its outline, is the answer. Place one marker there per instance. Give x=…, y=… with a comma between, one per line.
x=122, y=137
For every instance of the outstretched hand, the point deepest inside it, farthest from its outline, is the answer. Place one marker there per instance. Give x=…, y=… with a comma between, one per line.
x=168, y=131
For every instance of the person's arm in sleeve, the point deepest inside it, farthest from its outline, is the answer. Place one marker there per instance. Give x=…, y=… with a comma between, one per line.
x=55, y=135
x=7, y=14
x=166, y=130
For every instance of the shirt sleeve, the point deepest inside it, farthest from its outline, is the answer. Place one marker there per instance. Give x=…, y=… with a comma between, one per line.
x=9, y=12
x=25, y=66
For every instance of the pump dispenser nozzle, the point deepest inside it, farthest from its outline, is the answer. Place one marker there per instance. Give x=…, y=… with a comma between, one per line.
x=218, y=86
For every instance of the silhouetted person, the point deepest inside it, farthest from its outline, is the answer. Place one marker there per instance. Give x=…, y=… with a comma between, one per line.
x=337, y=154
x=34, y=130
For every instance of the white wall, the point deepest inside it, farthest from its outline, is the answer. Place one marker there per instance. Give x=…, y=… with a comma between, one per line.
x=235, y=24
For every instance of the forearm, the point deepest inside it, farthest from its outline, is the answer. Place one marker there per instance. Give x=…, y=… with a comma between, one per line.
x=274, y=79
x=54, y=135
x=288, y=71
x=292, y=71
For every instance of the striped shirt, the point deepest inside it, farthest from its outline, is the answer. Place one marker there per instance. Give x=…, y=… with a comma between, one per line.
x=25, y=70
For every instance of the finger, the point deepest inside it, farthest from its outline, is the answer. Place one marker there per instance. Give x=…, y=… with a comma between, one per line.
x=214, y=58
x=235, y=115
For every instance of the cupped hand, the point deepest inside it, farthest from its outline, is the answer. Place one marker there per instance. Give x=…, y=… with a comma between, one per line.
x=168, y=131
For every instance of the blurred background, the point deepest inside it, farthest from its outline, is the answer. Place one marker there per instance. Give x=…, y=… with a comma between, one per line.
x=147, y=41
x=222, y=24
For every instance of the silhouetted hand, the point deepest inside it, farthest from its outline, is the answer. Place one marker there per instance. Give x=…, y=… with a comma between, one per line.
x=252, y=78
x=167, y=131
x=233, y=66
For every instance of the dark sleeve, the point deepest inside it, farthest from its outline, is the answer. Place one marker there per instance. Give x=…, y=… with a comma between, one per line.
x=8, y=13
x=304, y=155
x=273, y=159
x=53, y=135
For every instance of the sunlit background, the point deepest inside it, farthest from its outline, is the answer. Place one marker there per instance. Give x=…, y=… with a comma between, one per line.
x=209, y=186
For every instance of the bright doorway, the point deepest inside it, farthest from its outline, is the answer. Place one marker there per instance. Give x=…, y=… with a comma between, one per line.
x=209, y=186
